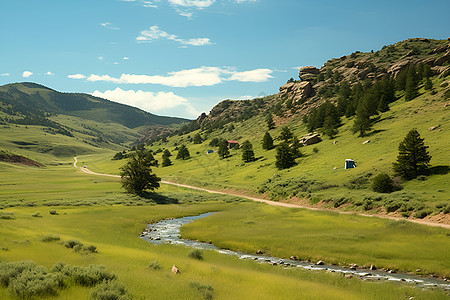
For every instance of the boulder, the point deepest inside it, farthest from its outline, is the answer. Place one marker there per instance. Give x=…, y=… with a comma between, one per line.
x=308, y=73
x=372, y=267
x=293, y=257
x=296, y=90
x=320, y=263
x=433, y=128
x=310, y=139
x=366, y=142
x=175, y=270
x=259, y=252
x=348, y=276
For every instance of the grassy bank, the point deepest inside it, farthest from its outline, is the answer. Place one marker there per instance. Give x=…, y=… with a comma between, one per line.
x=330, y=237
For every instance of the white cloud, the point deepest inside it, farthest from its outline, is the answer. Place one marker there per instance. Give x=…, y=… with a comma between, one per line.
x=148, y=101
x=49, y=73
x=109, y=26
x=257, y=75
x=5, y=74
x=76, y=76
x=154, y=33
x=100, y=57
x=193, y=3
x=203, y=76
x=27, y=74
x=125, y=58
x=244, y=1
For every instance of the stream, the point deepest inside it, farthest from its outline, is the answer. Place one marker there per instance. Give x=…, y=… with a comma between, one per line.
x=168, y=231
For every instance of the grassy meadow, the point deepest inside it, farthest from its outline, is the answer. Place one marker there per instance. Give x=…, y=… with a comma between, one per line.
x=64, y=202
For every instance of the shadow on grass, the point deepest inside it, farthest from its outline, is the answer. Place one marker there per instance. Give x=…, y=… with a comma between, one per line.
x=439, y=170
x=375, y=132
x=159, y=199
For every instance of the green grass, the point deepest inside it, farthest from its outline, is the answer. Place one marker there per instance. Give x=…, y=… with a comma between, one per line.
x=328, y=236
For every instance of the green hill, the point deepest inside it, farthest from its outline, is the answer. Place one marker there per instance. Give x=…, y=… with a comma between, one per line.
x=37, y=121
x=338, y=90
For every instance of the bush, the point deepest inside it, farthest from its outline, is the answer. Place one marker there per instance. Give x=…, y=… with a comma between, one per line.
x=36, y=215
x=196, y=254
x=36, y=282
x=88, y=276
x=110, y=290
x=72, y=243
x=382, y=183
x=205, y=290
x=50, y=238
x=90, y=248
x=9, y=271
x=6, y=216
x=421, y=214
x=154, y=265
x=53, y=212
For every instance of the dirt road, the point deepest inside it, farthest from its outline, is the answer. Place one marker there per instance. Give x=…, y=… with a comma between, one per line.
x=273, y=203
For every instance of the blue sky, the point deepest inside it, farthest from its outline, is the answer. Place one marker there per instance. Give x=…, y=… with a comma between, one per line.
x=182, y=57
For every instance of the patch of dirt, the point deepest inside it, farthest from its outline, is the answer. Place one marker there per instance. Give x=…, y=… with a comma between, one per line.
x=19, y=160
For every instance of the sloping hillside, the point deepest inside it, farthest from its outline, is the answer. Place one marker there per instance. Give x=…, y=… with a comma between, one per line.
x=342, y=89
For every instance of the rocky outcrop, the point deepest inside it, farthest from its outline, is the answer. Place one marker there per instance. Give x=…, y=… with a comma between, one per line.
x=398, y=67
x=308, y=73
x=296, y=91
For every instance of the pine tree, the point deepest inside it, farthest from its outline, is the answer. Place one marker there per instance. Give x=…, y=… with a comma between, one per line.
x=295, y=147
x=383, y=104
x=136, y=174
x=267, y=142
x=247, y=152
x=362, y=122
x=286, y=134
x=411, y=84
x=270, y=122
x=223, y=149
x=428, y=84
x=413, y=158
x=183, y=153
x=284, y=157
x=197, y=139
x=166, y=160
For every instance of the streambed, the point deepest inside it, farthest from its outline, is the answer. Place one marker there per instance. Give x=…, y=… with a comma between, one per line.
x=168, y=231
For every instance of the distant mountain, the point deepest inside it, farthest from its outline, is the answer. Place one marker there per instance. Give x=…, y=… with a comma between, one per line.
x=30, y=99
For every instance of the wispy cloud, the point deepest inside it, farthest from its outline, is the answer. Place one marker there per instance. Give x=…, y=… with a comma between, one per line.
x=257, y=75
x=5, y=74
x=76, y=76
x=154, y=33
x=192, y=3
x=244, y=1
x=148, y=101
x=49, y=73
x=27, y=74
x=109, y=26
x=203, y=76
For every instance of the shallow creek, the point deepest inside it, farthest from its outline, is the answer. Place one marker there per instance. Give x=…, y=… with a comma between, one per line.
x=168, y=231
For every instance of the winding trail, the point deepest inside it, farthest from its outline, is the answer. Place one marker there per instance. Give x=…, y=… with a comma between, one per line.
x=273, y=203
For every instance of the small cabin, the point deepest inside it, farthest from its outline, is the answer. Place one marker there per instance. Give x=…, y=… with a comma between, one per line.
x=232, y=144
x=209, y=151
x=350, y=164
x=312, y=138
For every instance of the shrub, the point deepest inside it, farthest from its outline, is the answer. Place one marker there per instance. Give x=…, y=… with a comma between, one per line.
x=420, y=214
x=90, y=248
x=36, y=282
x=154, y=265
x=72, y=243
x=53, y=212
x=10, y=270
x=50, y=238
x=6, y=216
x=315, y=149
x=36, y=215
x=204, y=289
x=88, y=276
x=382, y=183
x=196, y=254
x=110, y=290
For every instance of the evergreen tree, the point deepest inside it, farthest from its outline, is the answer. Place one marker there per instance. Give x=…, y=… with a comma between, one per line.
x=267, y=142
x=284, y=157
x=411, y=84
x=270, y=122
x=383, y=104
x=197, y=139
x=329, y=127
x=166, y=158
x=137, y=175
x=183, y=153
x=223, y=149
x=428, y=84
x=426, y=71
x=286, y=134
x=295, y=147
x=413, y=158
x=362, y=122
x=247, y=152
